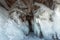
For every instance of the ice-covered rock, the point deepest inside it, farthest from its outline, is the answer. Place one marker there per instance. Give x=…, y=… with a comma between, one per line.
x=43, y=22
x=56, y=18
x=9, y=29
x=15, y=15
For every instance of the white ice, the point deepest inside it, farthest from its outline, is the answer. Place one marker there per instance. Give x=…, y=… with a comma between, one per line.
x=10, y=30
x=48, y=27
x=56, y=18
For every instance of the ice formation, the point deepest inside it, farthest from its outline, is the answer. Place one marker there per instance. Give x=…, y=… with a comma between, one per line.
x=45, y=20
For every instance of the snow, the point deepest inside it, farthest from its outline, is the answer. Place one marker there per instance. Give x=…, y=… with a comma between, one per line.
x=42, y=18
x=57, y=20
x=43, y=23
x=10, y=30
x=21, y=25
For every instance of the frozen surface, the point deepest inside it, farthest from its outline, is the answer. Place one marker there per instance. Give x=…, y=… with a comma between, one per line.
x=57, y=20
x=43, y=23
x=10, y=30
x=48, y=22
